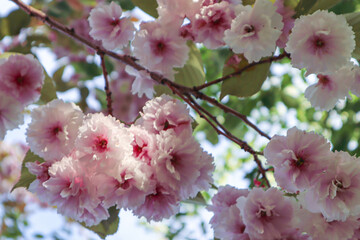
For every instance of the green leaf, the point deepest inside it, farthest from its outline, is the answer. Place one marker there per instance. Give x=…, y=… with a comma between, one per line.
x=354, y=21
x=148, y=6
x=124, y=4
x=16, y=20
x=192, y=74
x=26, y=177
x=323, y=5
x=48, y=90
x=108, y=226
x=248, y=82
x=198, y=199
x=60, y=84
x=304, y=7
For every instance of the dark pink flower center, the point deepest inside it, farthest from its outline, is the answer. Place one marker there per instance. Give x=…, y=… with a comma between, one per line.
x=115, y=22
x=56, y=130
x=300, y=161
x=20, y=80
x=217, y=19
x=167, y=125
x=249, y=28
x=319, y=43
x=159, y=47
x=101, y=144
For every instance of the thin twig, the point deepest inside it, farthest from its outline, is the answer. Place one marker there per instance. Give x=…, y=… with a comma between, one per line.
x=261, y=169
x=240, y=71
x=107, y=85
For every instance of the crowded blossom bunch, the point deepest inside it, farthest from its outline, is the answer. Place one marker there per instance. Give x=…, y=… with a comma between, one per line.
x=88, y=163
x=321, y=42
x=322, y=188
x=93, y=162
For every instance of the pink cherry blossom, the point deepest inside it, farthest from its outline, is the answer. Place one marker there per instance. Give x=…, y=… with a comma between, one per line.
x=336, y=194
x=159, y=47
x=107, y=26
x=143, y=83
x=126, y=106
x=129, y=188
x=205, y=179
x=22, y=77
x=330, y=88
x=177, y=162
x=103, y=139
x=321, y=42
x=287, y=13
x=72, y=192
x=266, y=214
x=53, y=129
x=355, y=87
x=320, y=229
x=211, y=22
x=227, y=221
x=164, y=113
x=144, y=144
x=180, y=8
x=10, y=113
x=163, y=203
x=254, y=31
x=297, y=158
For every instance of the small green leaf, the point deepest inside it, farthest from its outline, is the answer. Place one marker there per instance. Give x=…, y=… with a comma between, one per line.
x=198, y=199
x=248, y=2
x=304, y=7
x=108, y=226
x=192, y=74
x=354, y=21
x=26, y=177
x=323, y=5
x=62, y=86
x=48, y=90
x=125, y=4
x=17, y=20
x=148, y=6
x=248, y=82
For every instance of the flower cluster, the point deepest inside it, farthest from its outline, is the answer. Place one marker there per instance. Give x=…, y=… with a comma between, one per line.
x=93, y=162
x=21, y=79
x=321, y=42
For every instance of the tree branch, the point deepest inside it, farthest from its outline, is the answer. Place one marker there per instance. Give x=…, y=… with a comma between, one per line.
x=107, y=85
x=267, y=60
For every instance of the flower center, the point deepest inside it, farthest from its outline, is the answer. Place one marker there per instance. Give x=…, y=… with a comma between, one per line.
x=20, y=80
x=101, y=144
x=249, y=28
x=299, y=162
x=115, y=22
x=319, y=43
x=56, y=130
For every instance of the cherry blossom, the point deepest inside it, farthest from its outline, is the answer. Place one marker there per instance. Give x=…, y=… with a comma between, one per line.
x=107, y=25
x=22, y=77
x=164, y=113
x=254, y=31
x=159, y=47
x=324, y=94
x=321, y=42
x=297, y=158
x=10, y=114
x=53, y=129
x=227, y=221
x=70, y=190
x=337, y=192
x=211, y=22
x=266, y=214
